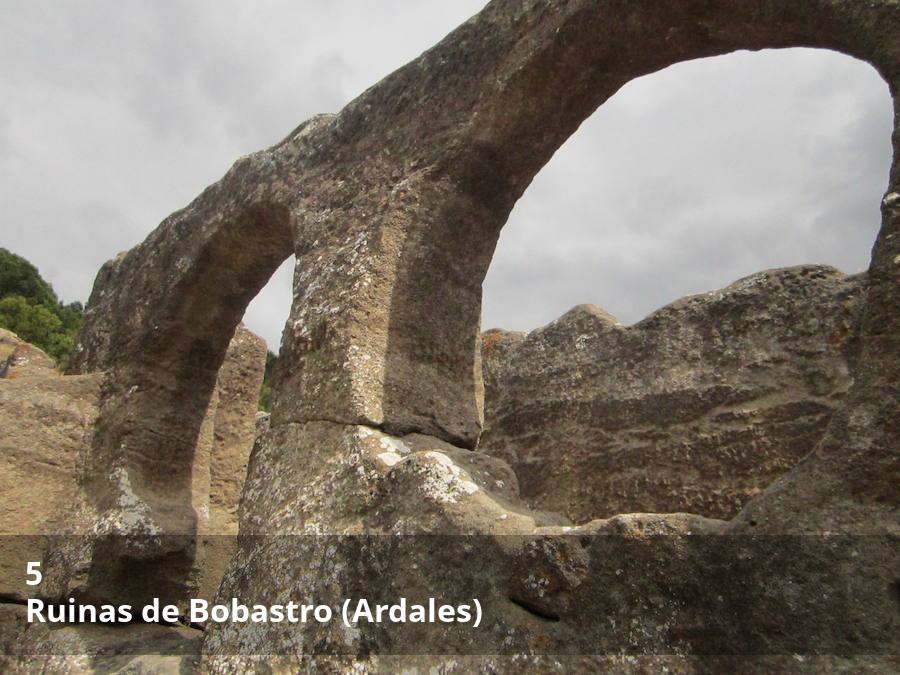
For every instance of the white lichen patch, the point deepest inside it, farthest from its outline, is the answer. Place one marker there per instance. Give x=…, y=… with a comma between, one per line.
x=393, y=449
x=395, y=445
x=538, y=585
x=390, y=458
x=351, y=635
x=444, y=480
x=132, y=514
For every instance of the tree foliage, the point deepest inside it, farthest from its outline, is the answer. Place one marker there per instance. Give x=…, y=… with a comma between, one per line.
x=20, y=277
x=265, y=392
x=30, y=308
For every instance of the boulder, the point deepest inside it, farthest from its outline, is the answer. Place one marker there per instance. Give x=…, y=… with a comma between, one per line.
x=19, y=359
x=383, y=517
x=697, y=408
x=47, y=423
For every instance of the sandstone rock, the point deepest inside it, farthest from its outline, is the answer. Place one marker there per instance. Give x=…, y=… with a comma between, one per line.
x=46, y=425
x=638, y=583
x=523, y=664
x=234, y=429
x=49, y=420
x=234, y=424
x=19, y=359
x=196, y=557
x=359, y=483
x=347, y=472
x=697, y=408
x=134, y=648
x=262, y=422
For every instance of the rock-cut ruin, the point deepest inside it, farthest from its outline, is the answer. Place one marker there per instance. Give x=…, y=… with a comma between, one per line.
x=772, y=411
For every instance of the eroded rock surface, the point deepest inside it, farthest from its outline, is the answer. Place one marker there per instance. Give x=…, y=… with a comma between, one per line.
x=48, y=421
x=384, y=517
x=697, y=408
x=20, y=359
x=233, y=419
x=234, y=428
x=46, y=424
x=62, y=649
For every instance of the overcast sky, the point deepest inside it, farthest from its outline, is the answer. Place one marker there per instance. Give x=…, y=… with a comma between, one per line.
x=115, y=114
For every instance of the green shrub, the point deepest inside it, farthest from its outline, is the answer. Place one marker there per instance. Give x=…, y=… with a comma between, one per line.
x=29, y=308
x=265, y=392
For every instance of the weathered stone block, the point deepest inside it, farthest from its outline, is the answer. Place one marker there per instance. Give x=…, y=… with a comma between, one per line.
x=697, y=408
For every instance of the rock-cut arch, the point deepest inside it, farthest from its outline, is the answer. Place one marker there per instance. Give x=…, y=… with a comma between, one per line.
x=395, y=205
x=159, y=321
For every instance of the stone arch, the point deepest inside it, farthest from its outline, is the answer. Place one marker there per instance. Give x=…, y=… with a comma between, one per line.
x=396, y=203
x=440, y=151
x=159, y=321
x=471, y=122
